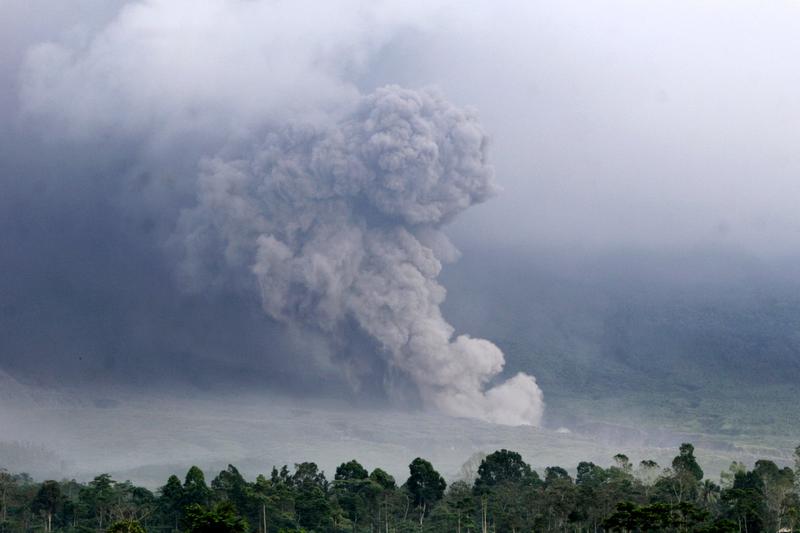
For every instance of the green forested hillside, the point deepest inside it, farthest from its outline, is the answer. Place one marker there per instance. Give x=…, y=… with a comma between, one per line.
x=706, y=343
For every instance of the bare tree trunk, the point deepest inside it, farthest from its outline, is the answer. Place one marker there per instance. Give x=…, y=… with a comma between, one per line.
x=484, y=522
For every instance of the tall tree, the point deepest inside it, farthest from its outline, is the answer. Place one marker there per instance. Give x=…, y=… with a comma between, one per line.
x=231, y=485
x=503, y=466
x=425, y=485
x=98, y=497
x=682, y=483
x=354, y=491
x=170, y=501
x=380, y=478
x=48, y=502
x=195, y=490
x=745, y=501
x=778, y=485
x=350, y=470
x=311, y=504
x=685, y=462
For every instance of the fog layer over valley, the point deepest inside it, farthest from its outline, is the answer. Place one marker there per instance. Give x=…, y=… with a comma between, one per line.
x=147, y=438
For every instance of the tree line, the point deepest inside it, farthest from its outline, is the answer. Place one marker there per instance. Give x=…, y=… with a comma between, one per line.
x=506, y=495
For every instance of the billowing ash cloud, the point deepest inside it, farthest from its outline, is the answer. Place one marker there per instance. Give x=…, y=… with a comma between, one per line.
x=340, y=226
x=235, y=152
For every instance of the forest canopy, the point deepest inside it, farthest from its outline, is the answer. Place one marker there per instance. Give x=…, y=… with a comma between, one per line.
x=504, y=494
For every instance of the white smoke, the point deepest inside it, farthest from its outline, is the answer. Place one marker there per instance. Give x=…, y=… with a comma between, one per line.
x=342, y=223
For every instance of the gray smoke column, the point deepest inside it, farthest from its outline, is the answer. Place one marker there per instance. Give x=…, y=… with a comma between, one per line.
x=340, y=225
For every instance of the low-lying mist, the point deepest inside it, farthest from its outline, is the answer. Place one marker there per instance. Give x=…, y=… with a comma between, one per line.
x=146, y=438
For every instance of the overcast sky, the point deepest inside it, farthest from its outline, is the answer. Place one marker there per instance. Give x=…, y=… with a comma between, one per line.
x=648, y=123
x=627, y=123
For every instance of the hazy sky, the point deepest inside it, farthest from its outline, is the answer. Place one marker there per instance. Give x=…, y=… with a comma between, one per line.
x=648, y=123
x=660, y=125
x=644, y=123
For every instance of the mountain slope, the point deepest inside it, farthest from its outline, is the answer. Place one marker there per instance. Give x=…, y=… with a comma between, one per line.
x=706, y=342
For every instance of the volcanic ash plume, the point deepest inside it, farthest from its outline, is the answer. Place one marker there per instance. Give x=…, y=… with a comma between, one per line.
x=340, y=226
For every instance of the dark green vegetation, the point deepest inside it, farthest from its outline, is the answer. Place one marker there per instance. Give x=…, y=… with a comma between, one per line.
x=703, y=343
x=506, y=495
